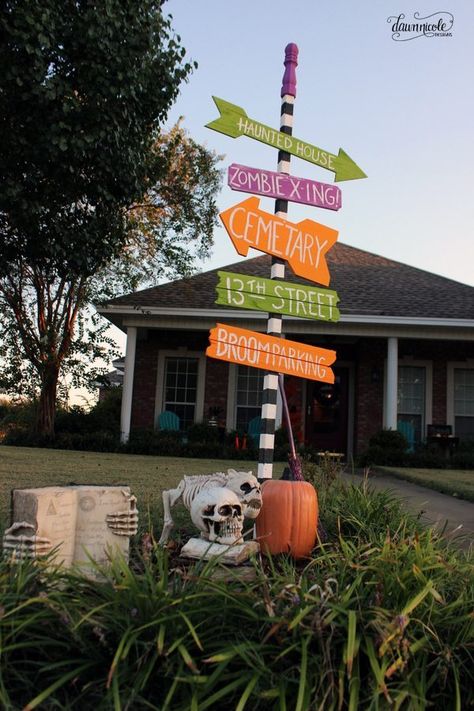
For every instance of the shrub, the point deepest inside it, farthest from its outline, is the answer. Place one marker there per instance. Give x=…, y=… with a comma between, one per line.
x=74, y=420
x=427, y=458
x=388, y=447
x=202, y=432
x=18, y=435
x=164, y=442
x=371, y=620
x=105, y=415
x=91, y=442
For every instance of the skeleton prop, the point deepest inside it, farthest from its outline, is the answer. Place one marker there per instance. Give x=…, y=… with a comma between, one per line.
x=243, y=484
x=217, y=512
x=20, y=542
x=124, y=523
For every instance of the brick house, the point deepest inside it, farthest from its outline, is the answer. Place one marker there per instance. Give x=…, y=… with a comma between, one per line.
x=404, y=343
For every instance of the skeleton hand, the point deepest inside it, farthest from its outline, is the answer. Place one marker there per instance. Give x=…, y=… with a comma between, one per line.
x=124, y=523
x=20, y=546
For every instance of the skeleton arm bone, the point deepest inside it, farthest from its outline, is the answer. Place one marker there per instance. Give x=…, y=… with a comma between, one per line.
x=21, y=546
x=170, y=497
x=124, y=523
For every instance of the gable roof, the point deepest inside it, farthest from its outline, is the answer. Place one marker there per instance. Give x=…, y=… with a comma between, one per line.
x=367, y=284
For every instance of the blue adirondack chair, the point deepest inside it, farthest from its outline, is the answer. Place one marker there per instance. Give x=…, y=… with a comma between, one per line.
x=169, y=421
x=407, y=429
x=253, y=430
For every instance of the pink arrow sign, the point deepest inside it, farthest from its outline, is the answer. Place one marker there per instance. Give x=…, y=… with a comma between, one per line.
x=282, y=186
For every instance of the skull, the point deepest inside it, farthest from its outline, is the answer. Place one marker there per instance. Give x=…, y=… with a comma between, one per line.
x=217, y=512
x=247, y=488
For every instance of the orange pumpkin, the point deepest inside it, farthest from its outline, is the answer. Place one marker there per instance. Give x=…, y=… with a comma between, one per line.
x=288, y=520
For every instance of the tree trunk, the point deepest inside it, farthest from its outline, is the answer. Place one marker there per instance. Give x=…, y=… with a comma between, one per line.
x=47, y=402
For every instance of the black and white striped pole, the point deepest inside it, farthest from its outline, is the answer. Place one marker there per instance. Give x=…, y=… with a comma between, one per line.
x=274, y=323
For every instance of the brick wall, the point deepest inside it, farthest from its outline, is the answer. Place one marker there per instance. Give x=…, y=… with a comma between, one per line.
x=369, y=381
x=371, y=362
x=215, y=391
x=144, y=382
x=146, y=365
x=368, y=355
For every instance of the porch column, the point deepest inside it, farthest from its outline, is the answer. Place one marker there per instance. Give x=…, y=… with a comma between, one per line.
x=391, y=384
x=127, y=392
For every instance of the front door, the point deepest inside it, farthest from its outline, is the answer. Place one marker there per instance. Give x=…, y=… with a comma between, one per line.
x=327, y=413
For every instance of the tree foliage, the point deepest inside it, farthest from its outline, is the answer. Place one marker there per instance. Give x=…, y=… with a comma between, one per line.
x=92, y=197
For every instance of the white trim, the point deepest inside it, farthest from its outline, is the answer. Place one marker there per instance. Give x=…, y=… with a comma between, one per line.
x=236, y=314
x=409, y=362
x=160, y=377
x=231, y=411
x=231, y=397
x=128, y=377
x=391, y=384
x=451, y=365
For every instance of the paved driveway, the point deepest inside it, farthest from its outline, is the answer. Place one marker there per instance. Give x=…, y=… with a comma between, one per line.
x=456, y=516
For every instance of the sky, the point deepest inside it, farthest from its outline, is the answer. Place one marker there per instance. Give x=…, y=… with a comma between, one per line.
x=403, y=111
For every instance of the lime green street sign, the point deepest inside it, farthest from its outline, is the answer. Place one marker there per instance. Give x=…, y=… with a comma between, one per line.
x=281, y=297
x=234, y=122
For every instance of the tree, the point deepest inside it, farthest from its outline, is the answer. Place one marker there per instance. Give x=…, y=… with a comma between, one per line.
x=88, y=185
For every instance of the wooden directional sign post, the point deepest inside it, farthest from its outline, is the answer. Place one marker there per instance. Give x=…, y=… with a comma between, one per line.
x=258, y=350
x=234, y=122
x=284, y=187
x=280, y=297
x=302, y=244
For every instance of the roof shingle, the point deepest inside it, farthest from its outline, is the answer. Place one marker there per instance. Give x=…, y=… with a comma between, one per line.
x=367, y=284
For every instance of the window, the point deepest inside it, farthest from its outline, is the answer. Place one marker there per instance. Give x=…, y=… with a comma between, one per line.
x=411, y=399
x=180, y=388
x=464, y=403
x=248, y=396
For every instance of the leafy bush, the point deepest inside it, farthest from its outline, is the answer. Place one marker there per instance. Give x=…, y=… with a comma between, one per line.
x=202, y=432
x=165, y=442
x=75, y=420
x=378, y=617
x=18, y=435
x=91, y=442
x=105, y=415
x=20, y=414
x=426, y=457
x=387, y=447
x=463, y=456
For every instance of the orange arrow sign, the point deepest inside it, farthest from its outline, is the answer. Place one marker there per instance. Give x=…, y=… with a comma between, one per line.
x=238, y=345
x=303, y=244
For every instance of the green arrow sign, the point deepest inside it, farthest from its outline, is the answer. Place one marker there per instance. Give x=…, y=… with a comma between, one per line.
x=281, y=297
x=234, y=122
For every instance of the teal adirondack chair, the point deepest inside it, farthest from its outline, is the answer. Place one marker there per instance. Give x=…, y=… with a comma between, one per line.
x=407, y=429
x=168, y=421
x=253, y=430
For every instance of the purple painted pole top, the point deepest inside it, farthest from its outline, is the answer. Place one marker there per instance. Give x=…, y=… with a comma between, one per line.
x=289, y=77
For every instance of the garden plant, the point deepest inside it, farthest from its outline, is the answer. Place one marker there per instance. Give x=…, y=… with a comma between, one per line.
x=379, y=616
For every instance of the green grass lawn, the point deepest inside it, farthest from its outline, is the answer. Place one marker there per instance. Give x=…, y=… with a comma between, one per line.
x=457, y=482
x=26, y=467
